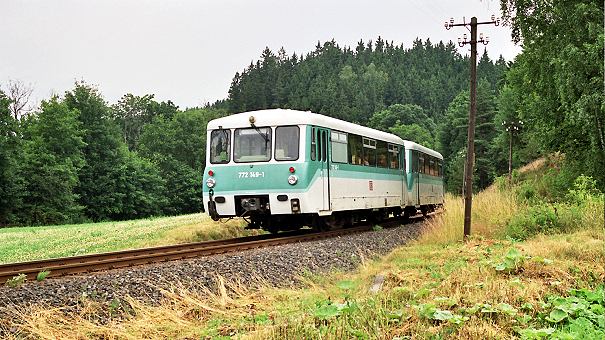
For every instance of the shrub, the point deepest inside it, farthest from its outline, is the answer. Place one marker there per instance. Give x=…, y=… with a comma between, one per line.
x=584, y=190
x=555, y=183
x=527, y=193
x=546, y=219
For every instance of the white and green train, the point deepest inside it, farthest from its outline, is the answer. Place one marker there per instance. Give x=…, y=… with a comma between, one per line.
x=284, y=169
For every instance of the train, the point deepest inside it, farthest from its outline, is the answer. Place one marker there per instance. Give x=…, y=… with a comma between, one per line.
x=282, y=169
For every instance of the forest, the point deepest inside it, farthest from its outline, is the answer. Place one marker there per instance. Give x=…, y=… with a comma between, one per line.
x=78, y=158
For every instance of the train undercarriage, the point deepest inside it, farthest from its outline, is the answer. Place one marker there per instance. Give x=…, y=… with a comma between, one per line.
x=263, y=219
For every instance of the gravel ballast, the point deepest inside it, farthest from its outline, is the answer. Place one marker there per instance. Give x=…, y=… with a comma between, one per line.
x=280, y=266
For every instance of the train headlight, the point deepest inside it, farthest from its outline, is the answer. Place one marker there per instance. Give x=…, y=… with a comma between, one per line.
x=210, y=182
x=292, y=179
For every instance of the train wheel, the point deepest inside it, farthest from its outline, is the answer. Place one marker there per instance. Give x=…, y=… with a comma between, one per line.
x=319, y=223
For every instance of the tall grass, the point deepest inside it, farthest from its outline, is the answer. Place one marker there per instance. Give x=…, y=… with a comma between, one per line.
x=492, y=209
x=540, y=200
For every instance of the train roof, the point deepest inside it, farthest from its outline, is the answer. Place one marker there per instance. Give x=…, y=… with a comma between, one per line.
x=415, y=146
x=277, y=117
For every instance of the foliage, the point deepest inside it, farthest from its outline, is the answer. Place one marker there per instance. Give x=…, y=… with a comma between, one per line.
x=133, y=112
x=415, y=133
x=114, y=182
x=511, y=262
x=42, y=275
x=352, y=84
x=544, y=218
x=11, y=181
x=577, y=203
x=102, y=175
x=453, y=136
x=558, y=78
x=581, y=315
x=53, y=158
x=177, y=145
x=376, y=228
x=16, y=281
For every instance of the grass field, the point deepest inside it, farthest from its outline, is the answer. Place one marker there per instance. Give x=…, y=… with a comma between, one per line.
x=32, y=243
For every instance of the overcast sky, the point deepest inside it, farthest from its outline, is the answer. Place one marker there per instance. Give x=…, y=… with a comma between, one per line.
x=188, y=51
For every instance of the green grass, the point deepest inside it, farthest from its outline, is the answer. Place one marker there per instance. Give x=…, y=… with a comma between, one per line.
x=33, y=243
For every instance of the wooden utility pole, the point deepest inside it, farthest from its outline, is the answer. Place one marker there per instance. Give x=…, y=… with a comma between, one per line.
x=512, y=127
x=470, y=146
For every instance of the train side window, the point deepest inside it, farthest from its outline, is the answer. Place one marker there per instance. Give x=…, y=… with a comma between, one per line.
x=427, y=166
x=220, y=146
x=338, y=141
x=324, y=146
x=318, y=145
x=414, y=161
x=440, y=169
x=313, y=144
x=286, y=143
x=432, y=167
x=382, y=154
x=354, y=148
x=369, y=152
x=393, y=156
x=421, y=164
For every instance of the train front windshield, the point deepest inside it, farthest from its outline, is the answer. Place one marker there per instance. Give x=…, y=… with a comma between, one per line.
x=252, y=145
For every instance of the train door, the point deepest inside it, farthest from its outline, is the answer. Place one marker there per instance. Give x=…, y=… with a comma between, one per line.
x=322, y=137
x=421, y=192
x=404, y=176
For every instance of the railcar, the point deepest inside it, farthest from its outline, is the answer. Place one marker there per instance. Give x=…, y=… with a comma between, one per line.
x=284, y=169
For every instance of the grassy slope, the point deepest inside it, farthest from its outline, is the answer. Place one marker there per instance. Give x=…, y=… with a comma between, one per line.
x=437, y=277
x=32, y=243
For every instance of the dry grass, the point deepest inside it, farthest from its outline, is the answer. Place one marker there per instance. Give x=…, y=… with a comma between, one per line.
x=492, y=209
x=182, y=314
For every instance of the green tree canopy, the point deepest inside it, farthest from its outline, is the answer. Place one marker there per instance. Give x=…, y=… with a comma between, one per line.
x=560, y=76
x=53, y=157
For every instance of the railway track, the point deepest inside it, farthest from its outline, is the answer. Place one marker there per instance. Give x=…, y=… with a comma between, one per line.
x=127, y=258
x=133, y=257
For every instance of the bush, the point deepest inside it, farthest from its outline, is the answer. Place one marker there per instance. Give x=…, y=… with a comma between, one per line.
x=555, y=183
x=545, y=219
x=527, y=193
x=584, y=190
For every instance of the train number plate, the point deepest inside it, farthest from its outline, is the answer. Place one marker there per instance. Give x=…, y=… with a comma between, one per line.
x=251, y=174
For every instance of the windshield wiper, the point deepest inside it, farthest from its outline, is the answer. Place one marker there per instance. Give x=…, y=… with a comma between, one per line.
x=265, y=137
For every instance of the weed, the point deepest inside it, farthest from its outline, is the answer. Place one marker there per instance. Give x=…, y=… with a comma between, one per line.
x=16, y=281
x=511, y=262
x=376, y=228
x=42, y=275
